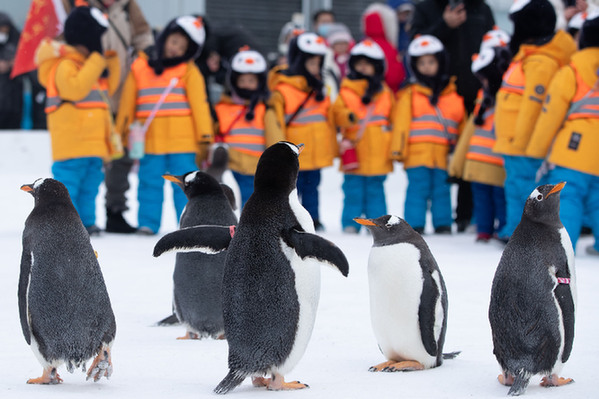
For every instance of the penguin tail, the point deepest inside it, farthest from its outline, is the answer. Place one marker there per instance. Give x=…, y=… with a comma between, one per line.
x=232, y=380
x=520, y=383
x=168, y=321
x=451, y=355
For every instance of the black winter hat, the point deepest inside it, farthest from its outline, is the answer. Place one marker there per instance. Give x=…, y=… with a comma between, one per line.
x=534, y=22
x=589, y=33
x=85, y=26
x=301, y=48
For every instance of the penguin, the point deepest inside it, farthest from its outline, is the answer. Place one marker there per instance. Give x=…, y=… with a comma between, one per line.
x=271, y=284
x=65, y=311
x=533, y=297
x=408, y=298
x=197, y=278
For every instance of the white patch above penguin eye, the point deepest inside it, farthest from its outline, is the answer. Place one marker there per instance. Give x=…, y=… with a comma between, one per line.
x=98, y=16
x=393, y=221
x=536, y=194
x=38, y=183
x=293, y=148
x=190, y=177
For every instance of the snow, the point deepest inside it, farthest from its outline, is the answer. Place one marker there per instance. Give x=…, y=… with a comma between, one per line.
x=150, y=363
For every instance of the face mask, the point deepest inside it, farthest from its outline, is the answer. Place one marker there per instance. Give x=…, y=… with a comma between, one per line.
x=323, y=29
x=3, y=37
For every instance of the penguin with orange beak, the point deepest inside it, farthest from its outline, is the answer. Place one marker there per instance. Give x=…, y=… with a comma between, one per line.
x=533, y=298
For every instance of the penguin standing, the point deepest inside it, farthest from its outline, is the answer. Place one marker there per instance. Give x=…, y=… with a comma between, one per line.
x=271, y=283
x=64, y=307
x=197, y=279
x=408, y=299
x=533, y=298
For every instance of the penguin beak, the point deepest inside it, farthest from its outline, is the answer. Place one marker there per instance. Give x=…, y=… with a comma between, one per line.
x=557, y=188
x=364, y=222
x=28, y=188
x=300, y=147
x=175, y=179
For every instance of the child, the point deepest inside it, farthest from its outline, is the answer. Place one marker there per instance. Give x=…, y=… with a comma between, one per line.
x=473, y=159
x=566, y=133
x=340, y=41
x=427, y=119
x=182, y=125
x=302, y=110
x=538, y=51
x=77, y=109
x=242, y=118
x=365, y=100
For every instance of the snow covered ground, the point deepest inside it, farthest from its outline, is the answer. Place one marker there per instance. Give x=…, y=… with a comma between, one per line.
x=150, y=363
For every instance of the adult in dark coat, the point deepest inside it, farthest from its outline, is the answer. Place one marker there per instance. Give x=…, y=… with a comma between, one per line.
x=11, y=90
x=461, y=29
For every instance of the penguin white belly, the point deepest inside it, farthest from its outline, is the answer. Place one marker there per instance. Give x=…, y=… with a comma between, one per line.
x=307, y=287
x=396, y=281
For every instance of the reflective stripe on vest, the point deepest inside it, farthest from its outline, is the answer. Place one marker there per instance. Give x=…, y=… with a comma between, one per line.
x=92, y=100
x=243, y=136
x=483, y=140
x=313, y=111
x=380, y=114
x=429, y=124
x=151, y=86
x=513, y=80
x=585, y=103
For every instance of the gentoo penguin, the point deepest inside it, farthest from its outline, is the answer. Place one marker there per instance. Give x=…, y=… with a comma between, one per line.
x=64, y=307
x=408, y=299
x=271, y=284
x=197, y=279
x=533, y=298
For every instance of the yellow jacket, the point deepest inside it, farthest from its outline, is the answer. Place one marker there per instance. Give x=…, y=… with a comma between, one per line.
x=245, y=149
x=575, y=138
x=76, y=132
x=479, y=168
x=516, y=113
x=373, y=147
x=171, y=134
x=319, y=137
x=430, y=153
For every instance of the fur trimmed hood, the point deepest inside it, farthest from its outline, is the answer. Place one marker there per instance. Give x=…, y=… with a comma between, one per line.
x=379, y=20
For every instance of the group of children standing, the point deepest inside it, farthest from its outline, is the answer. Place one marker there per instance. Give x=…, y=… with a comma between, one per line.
x=418, y=126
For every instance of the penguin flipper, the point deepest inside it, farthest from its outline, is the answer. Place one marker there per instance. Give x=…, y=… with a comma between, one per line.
x=205, y=239
x=563, y=294
x=308, y=245
x=230, y=195
x=26, y=260
x=426, y=314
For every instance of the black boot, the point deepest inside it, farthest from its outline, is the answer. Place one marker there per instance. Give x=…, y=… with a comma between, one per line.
x=115, y=223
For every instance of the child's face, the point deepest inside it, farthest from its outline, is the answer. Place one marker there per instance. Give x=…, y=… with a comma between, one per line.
x=340, y=48
x=247, y=81
x=427, y=65
x=364, y=67
x=175, y=45
x=313, y=65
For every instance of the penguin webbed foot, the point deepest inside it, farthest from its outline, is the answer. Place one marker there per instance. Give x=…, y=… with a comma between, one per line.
x=555, y=380
x=393, y=366
x=101, y=366
x=506, y=379
x=189, y=335
x=49, y=377
x=277, y=383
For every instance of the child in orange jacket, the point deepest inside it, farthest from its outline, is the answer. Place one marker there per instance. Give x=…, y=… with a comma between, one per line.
x=182, y=125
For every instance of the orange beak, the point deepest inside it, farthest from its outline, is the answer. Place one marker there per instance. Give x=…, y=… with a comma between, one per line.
x=172, y=178
x=557, y=188
x=27, y=187
x=364, y=222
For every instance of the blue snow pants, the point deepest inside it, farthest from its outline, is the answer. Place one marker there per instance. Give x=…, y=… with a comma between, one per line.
x=489, y=207
x=424, y=185
x=364, y=196
x=246, y=186
x=82, y=177
x=307, y=190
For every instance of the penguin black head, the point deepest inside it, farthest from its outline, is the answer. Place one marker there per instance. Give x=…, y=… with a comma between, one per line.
x=47, y=190
x=388, y=230
x=542, y=206
x=195, y=183
x=278, y=168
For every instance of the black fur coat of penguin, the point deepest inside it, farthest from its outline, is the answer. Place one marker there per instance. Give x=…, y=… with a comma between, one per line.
x=408, y=298
x=533, y=298
x=271, y=284
x=64, y=307
x=197, y=279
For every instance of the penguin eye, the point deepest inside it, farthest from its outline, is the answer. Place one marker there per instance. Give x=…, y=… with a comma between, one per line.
x=388, y=225
x=540, y=197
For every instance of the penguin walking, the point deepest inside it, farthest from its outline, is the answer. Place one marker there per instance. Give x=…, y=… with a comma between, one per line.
x=533, y=298
x=271, y=283
x=64, y=307
x=197, y=279
x=408, y=298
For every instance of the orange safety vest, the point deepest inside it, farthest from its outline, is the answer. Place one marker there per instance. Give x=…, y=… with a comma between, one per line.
x=379, y=115
x=240, y=134
x=312, y=111
x=483, y=140
x=151, y=86
x=585, y=103
x=94, y=98
x=513, y=79
x=430, y=124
